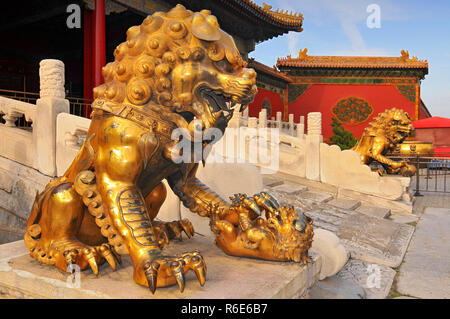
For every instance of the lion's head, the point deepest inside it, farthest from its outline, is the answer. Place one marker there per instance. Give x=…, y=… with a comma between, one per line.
x=182, y=64
x=393, y=123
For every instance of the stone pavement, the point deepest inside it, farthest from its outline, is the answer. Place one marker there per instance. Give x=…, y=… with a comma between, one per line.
x=425, y=272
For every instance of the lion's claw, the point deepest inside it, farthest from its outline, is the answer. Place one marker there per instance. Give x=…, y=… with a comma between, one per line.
x=187, y=227
x=199, y=268
x=173, y=230
x=151, y=272
x=175, y=267
x=105, y=252
x=66, y=252
x=91, y=260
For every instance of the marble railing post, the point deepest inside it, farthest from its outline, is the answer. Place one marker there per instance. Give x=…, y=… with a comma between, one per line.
x=279, y=125
x=291, y=124
x=245, y=113
x=51, y=102
x=262, y=119
x=235, y=121
x=301, y=127
x=252, y=122
x=313, y=140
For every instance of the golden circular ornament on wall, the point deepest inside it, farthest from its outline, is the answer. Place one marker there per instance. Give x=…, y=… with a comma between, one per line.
x=352, y=110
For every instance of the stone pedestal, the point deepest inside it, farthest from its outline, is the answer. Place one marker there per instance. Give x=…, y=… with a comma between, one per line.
x=228, y=277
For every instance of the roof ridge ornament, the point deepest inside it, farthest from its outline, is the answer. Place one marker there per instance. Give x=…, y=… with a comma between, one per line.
x=303, y=54
x=352, y=61
x=405, y=57
x=281, y=13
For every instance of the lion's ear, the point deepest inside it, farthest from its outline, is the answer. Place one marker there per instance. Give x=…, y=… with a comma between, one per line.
x=205, y=28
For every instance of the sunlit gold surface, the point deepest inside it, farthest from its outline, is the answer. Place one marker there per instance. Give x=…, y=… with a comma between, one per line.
x=382, y=136
x=173, y=68
x=414, y=148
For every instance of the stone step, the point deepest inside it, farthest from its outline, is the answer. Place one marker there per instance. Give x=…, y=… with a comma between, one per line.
x=375, y=240
x=321, y=224
x=290, y=188
x=333, y=220
x=373, y=211
x=271, y=181
x=337, y=213
x=316, y=196
x=404, y=219
x=344, y=203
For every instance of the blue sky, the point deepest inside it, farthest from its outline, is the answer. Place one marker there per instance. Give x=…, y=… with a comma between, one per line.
x=338, y=27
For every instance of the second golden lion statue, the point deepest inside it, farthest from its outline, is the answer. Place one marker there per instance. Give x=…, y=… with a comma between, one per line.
x=175, y=67
x=387, y=130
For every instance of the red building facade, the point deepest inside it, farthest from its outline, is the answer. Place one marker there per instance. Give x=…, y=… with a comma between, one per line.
x=272, y=91
x=353, y=89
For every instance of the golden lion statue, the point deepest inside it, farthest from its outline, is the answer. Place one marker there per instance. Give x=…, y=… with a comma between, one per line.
x=387, y=130
x=175, y=70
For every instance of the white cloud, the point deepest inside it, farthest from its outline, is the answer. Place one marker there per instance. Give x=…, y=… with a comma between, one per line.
x=293, y=40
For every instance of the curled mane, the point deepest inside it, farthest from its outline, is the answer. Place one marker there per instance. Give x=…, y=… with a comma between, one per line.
x=142, y=67
x=382, y=122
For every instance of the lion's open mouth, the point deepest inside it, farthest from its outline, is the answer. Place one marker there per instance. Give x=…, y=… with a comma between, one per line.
x=188, y=116
x=220, y=104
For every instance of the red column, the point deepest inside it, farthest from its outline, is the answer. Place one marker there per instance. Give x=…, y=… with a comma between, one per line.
x=88, y=55
x=99, y=41
x=286, y=103
x=94, y=50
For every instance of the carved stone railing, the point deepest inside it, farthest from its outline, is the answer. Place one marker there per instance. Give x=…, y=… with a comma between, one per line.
x=305, y=155
x=16, y=143
x=71, y=131
x=35, y=146
x=262, y=121
x=13, y=109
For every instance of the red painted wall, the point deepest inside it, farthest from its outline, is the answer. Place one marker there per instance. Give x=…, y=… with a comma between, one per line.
x=323, y=97
x=275, y=101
